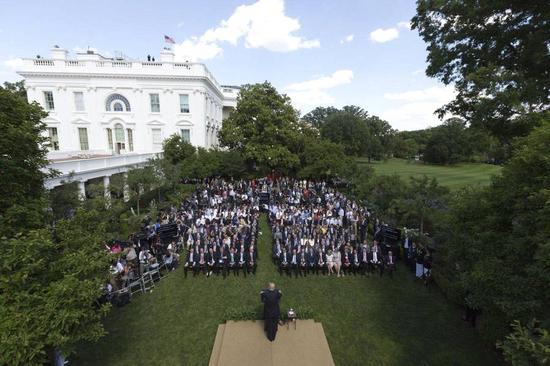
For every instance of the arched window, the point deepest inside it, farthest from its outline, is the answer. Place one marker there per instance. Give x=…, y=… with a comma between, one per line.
x=119, y=133
x=117, y=103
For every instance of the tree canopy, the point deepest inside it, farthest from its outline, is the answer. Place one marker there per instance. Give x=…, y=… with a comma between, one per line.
x=23, y=161
x=264, y=128
x=496, y=55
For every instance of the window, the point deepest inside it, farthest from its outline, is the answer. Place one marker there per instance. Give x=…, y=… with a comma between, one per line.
x=155, y=103
x=110, y=139
x=79, y=101
x=186, y=135
x=130, y=139
x=120, y=141
x=124, y=105
x=119, y=133
x=157, y=138
x=184, y=103
x=83, y=137
x=48, y=100
x=54, y=139
x=117, y=107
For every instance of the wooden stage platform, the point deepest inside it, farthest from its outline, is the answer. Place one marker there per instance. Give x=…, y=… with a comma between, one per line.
x=244, y=343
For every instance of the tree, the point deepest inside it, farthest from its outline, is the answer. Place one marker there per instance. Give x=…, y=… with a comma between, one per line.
x=23, y=162
x=323, y=159
x=264, y=128
x=140, y=180
x=17, y=88
x=499, y=249
x=48, y=287
x=348, y=130
x=382, y=138
x=64, y=200
x=421, y=200
x=529, y=345
x=496, y=55
x=176, y=150
x=318, y=116
x=449, y=143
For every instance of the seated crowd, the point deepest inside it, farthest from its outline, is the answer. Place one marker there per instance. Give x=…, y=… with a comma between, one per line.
x=219, y=224
x=316, y=230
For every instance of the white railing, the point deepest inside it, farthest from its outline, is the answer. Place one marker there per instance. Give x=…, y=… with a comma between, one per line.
x=66, y=167
x=115, y=67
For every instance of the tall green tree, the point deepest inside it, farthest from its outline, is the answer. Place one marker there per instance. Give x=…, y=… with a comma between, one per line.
x=449, y=143
x=322, y=159
x=264, y=128
x=23, y=162
x=176, y=150
x=499, y=248
x=318, y=116
x=141, y=180
x=422, y=198
x=348, y=130
x=496, y=55
x=48, y=285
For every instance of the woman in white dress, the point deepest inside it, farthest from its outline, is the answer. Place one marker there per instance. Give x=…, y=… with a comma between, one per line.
x=330, y=262
x=337, y=262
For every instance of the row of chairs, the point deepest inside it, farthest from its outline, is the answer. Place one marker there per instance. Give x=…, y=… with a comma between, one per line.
x=144, y=283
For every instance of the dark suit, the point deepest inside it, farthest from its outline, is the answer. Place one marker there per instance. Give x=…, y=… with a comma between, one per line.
x=271, y=298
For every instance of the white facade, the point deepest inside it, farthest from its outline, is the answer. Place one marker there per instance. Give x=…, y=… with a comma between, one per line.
x=107, y=115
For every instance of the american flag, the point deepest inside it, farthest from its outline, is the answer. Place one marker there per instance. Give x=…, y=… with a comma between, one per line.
x=169, y=39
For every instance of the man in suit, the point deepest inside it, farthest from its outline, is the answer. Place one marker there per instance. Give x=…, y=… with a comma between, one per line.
x=241, y=255
x=191, y=262
x=303, y=262
x=294, y=263
x=232, y=262
x=284, y=259
x=270, y=298
x=311, y=260
x=210, y=261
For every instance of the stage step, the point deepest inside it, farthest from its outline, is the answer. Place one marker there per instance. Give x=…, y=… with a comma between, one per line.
x=214, y=357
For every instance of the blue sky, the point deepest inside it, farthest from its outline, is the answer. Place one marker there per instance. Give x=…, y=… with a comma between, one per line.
x=319, y=52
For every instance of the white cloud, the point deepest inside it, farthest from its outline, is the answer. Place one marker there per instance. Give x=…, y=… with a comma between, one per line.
x=417, y=108
x=13, y=63
x=406, y=25
x=313, y=92
x=435, y=93
x=180, y=24
x=381, y=35
x=347, y=39
x=8, y=68
x=263, y=24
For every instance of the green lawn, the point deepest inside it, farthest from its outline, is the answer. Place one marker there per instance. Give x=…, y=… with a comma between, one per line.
x=453, y=177
x=368, y=321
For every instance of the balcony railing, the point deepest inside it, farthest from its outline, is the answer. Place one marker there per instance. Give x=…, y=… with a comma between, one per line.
x=116, y=67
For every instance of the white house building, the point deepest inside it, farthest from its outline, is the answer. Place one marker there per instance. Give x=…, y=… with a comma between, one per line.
x=106, y=115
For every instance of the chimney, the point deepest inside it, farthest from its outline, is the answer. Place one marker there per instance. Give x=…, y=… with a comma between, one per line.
x=58, y=53
x=166, y=55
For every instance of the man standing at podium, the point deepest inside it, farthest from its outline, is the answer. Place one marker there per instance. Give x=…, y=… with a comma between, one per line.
x=270, y=298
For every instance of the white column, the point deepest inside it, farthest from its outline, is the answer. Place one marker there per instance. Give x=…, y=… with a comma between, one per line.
x=107, y=190
x=126, y=188
x=82, y=190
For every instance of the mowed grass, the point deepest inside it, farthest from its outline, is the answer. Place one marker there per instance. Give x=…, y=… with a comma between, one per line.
x=368, y=321
x=452, y=177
